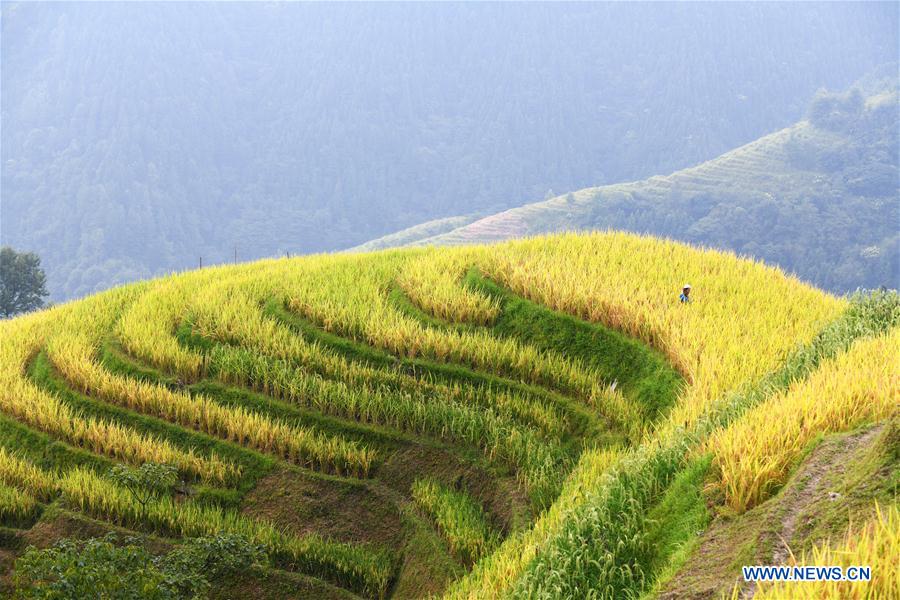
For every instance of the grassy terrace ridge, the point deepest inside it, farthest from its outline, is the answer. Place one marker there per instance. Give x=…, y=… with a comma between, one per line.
x=492, y=425
x=642, y=373
x=584, y=422
x=538, y=414
x=253, y=464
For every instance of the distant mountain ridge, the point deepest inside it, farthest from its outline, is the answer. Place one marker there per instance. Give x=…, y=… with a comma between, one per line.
x=819, y=198
x=141, y=138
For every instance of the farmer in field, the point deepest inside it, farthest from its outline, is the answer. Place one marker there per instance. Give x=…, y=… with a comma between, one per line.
x=685, y=293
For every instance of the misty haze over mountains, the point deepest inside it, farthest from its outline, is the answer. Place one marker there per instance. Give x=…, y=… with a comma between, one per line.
x=820, y=198
x=138, y=138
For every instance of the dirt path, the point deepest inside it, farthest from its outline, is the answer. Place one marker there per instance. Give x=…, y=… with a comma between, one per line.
x=828, y=458
x=763, y=536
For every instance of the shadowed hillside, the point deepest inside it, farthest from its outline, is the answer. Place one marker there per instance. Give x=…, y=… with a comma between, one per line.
x=820, y=198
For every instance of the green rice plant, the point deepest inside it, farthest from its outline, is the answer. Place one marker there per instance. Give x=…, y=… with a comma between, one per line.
x=460, y=519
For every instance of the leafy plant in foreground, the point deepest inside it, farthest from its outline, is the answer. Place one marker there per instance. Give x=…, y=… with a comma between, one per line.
x=123, y=569
x=96, y=568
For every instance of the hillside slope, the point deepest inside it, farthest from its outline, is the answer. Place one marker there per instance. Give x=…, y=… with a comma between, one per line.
x=820, y=199
x=427, y=421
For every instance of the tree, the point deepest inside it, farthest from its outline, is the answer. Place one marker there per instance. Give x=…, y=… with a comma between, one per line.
x=146, y=482
x=22, y=282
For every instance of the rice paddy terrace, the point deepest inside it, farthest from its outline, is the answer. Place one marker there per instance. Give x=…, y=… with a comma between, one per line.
x=540, y=418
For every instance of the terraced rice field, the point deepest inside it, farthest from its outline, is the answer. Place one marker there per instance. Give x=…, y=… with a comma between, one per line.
x=476, y=422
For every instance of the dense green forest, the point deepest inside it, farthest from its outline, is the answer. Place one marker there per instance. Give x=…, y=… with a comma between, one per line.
x=820, y=198
x=139, y=137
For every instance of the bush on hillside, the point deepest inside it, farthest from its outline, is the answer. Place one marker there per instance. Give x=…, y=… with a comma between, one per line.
x=111, y=567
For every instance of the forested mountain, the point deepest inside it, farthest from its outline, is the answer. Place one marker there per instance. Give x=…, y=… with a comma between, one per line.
x=138, y=137
x=820, y=198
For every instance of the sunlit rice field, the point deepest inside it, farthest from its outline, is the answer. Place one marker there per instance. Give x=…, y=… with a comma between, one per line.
x=489, y=407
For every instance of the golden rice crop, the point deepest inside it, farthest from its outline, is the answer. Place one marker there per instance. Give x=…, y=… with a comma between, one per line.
x=537, y=462
x=349, y=296
x=72, y=352
x=146, y=328
x=743, y=320
x=233, y=317
x=17, y=472
x=876, y=544
x=229, y=311
x=72, y=356
x=437, y=290
x=45, y=413
x=23, y=401
x=15, y=504
x=755, y=455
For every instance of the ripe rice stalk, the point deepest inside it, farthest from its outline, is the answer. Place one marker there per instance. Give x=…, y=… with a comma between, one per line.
x=876, y=544
x=756, y=454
